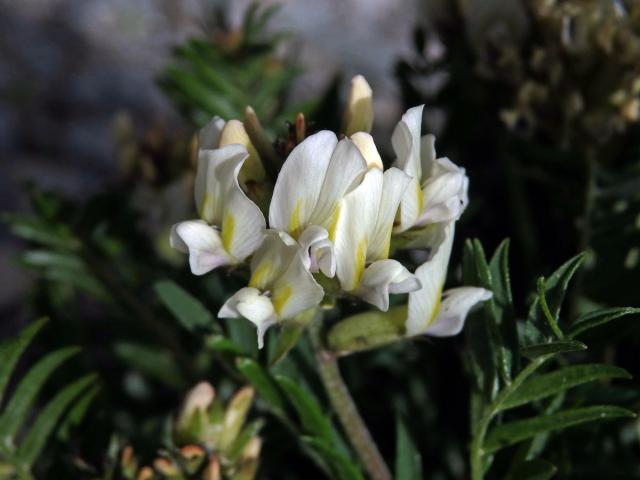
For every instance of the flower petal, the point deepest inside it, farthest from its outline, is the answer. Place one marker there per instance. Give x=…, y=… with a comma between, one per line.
x=427, y=154
x=344, y=173
x=242, y=224
x=424, y=304
x=295, y=291
x=367, y=147
x=444, y=193
x=252, y=170
x=456, y=304
x=406, y=145
x=356, y=220
x=251, y=304
x=299, y=183
x=382, y=278
x=317, y=251
x=394, y=184
x=209, y=135
x=203, y=243
x=271, y=260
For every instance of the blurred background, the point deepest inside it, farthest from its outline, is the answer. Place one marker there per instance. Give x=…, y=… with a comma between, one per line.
x=99, y=101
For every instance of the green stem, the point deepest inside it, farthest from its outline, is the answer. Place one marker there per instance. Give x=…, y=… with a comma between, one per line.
x=347, y=410
x=476, y=451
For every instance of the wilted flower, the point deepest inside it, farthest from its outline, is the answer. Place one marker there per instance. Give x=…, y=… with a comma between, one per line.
x=332, y=216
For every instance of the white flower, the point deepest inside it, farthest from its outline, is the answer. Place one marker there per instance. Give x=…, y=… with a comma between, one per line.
x=311, y=184
x=359, y=111
x=280, y=286
x=231, y=225
x=438, y=189
x=432, y=312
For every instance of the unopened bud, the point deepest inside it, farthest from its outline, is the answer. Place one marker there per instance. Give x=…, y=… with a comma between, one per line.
x=235, y=133
x=145, y=473
x=166, y=467
x=212, y=471
x=196, y=404
x=193, y=456
x=359, y=114
x=235, y=416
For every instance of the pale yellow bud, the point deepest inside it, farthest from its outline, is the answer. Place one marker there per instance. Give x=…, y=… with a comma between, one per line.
x=199, y=398
x=212, y=472
x=146, y=473
x=235, y=133
x=359, y=114
x=235, y=415
x=368, y=149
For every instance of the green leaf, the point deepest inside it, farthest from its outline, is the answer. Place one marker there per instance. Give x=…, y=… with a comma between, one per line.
x=555, y=382
x=28, y=388
x=78, y=412
x=185, y=307
x=533, y=470
x=514, y=432
x=11, y=351
x=287, y=339
x=342, y=467
x=222, y=344
x=408, y=461
x=555, y=287
x=537, y=350
x=314, y=421
x=34, y=441
x=262, y=382
x=599, y=317
x=502, y=303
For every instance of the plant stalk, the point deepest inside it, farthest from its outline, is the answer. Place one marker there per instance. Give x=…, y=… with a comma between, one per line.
x=347, y=411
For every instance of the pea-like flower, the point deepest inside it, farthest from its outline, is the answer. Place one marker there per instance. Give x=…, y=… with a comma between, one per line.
x=231, y=226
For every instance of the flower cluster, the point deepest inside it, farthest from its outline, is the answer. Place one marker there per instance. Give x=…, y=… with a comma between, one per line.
x=212, y=441
x=333, y=214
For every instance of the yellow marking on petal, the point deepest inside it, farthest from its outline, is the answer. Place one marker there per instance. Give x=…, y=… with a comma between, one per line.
x=420, y=196
x=436, y=307
x=333, y=223
x=206, y=212
x=227, y=230
x=280, y=298
x=260, y=277
x=360, y=259
x=294, y=221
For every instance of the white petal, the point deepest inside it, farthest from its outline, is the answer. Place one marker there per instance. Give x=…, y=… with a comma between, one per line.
x=367, y=147
x=424, y=304
x=299, y=183
x=251, y=304
x=271, y=259
x=208, y=139
x=427, y=154
x=295, y=291
x=317, y=251
x=243, y=224
x=382, y=278
x=203, y=244
x=210, y=188
x=356, y=220
x=394, y=184
x=345, y=171
x=444, y=194
x=456, y=304
x=209, y=135
x=406, y=145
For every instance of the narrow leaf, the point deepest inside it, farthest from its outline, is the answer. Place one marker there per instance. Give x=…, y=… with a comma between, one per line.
x=537, y=350
x=185, y=307
x=514, y=432
x=262, y=382
x=555, y=382
x=599, y=317
x=77, y=412
x=287, y=339
x=314, y=421
x=26, y=392
x=222, y=344
x=11, y=351
x=408, y=461
x=34, y=441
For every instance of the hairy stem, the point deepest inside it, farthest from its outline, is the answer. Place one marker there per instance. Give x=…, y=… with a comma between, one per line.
x=347, y=411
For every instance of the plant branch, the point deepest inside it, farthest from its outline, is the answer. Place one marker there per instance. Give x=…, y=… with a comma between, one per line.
x=347, y=410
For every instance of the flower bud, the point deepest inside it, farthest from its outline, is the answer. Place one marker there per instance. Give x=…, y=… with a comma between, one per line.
x=235, y=416
x=359, y=114
x=252, y=170
x=128, y=463
x=197, y=401
x=212, y=471
x=166, y=467
x=145, y=473
x=193, y=456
